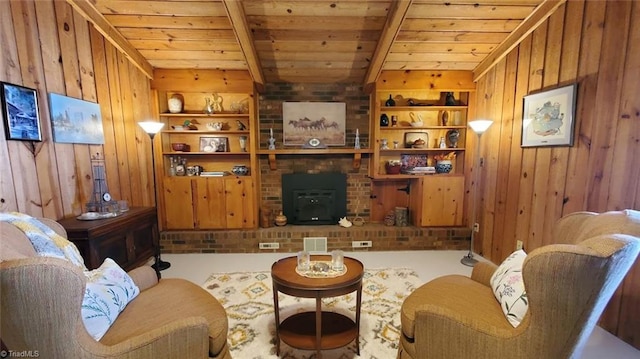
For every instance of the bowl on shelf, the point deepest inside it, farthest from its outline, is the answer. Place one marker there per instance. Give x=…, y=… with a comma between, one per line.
x=180, y=147
x=419, y=143
x=393, y=167
x=444, y=166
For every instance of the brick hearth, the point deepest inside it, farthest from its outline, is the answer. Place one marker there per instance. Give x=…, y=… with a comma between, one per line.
x=384, y=238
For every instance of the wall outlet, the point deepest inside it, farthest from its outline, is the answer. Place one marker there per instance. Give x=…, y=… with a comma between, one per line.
x=361, y=244
x=270, y=245
x=519, y=245
x=476, y=227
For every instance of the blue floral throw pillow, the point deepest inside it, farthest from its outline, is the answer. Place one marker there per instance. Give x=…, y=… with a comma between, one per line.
x=109, y=290
x=508, y=287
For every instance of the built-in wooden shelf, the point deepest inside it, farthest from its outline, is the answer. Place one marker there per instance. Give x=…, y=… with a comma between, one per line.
x=357, y=154
x=200, y=114
x=408, y=176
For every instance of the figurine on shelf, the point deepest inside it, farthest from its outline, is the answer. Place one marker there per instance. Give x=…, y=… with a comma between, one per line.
x=241, y=126
x=357, y=143
x=217, y=103
x=272, y=141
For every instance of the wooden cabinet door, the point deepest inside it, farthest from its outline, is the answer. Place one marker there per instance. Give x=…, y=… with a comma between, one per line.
x=438, y=201
x=210, y=203
x=178, y=203
x=239, y=202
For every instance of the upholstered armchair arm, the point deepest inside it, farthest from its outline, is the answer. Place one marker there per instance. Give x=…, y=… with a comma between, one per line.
x=144, y=277
x=482, y=272
x=447, y=333
x=186, y=337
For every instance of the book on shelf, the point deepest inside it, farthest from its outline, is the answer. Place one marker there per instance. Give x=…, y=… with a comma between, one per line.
x=215, y=174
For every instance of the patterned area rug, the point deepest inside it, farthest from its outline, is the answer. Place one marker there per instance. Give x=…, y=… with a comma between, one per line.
x=248, y=299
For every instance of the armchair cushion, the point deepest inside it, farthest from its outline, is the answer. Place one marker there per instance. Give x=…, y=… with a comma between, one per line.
x=457, y=295
x=162, y=304
x=508, y=287
x=108, y=291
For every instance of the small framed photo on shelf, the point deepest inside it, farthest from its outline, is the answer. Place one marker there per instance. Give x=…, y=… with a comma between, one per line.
x=214, y=144
x=548, y=118
x=20, y=112
x=416, y=140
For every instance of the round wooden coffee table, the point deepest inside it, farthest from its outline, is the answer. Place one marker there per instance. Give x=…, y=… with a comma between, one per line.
x=317, y=330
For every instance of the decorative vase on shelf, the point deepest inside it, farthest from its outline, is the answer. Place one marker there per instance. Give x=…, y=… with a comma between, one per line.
x=450, y=100
x=281, y=219
x=390, y=102
x=445, y=118
x=384, y=120
x=243, y=143
x=444, y=166
x=175, y=103
x=453, y=136
x=208, y=107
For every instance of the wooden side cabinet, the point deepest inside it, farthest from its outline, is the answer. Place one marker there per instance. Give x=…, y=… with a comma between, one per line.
x=209, y=202
x=437, y=201
x=130, y=239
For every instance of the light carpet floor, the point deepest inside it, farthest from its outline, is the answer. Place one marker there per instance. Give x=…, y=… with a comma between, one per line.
x=196, y=267
x=248, y=299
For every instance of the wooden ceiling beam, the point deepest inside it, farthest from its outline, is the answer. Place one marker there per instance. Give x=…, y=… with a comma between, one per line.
x=240, y=26
x=88, y=11
x=396, y=16
x=537, y=17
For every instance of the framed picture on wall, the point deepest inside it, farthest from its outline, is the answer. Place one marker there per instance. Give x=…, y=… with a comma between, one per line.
x=75, y=121
x=548, y=117
x=319, y=121
x=20, y=112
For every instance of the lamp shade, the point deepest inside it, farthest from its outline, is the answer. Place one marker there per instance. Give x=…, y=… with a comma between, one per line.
x=480, y=126
x=151, y=127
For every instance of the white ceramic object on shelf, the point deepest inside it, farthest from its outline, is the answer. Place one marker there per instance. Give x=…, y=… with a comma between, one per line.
x=175, y=103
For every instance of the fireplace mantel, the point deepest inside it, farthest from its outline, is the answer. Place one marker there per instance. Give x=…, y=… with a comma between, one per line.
x=357, y=154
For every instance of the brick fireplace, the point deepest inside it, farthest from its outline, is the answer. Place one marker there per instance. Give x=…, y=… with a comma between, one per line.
x=358, y=189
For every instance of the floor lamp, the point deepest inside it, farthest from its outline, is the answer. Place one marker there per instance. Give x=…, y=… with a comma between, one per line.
x=152, y=128
x=479, y=127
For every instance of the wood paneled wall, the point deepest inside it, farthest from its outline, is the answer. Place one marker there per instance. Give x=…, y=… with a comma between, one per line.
x=595, y=44
x=48, y=46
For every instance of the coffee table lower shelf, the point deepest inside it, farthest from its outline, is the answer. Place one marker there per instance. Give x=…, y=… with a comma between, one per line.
x=299, y=331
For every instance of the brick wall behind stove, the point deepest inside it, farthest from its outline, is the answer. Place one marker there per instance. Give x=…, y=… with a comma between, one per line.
x=357, y=117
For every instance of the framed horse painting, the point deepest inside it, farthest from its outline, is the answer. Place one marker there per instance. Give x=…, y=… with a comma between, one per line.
x=322, y=122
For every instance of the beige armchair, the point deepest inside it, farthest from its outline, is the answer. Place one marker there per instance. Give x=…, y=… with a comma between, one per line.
x=41, y=298
x=568, y=285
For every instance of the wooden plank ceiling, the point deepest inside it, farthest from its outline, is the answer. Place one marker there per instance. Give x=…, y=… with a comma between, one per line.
x=316, y=41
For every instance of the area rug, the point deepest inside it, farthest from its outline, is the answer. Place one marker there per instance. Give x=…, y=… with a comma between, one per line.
x=248, y=300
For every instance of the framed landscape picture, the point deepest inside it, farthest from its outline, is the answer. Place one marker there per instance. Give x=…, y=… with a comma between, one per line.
x=548, y=118
x=20, y=112
x=323, y=122
x=75, y=121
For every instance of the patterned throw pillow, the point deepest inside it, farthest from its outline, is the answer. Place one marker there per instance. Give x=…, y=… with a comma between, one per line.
x=109, y=290
x=508, y=287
